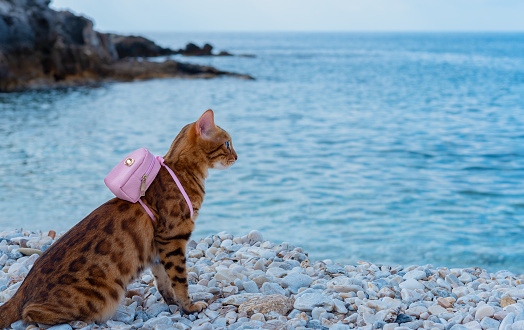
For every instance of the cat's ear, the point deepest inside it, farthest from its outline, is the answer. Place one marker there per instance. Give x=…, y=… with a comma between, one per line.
x=206, y=124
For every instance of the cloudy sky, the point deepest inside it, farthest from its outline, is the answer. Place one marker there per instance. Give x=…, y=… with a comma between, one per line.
x=300, y=15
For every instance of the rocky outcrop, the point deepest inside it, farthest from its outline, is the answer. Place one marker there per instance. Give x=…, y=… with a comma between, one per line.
x=41, y=47
x=207, y=50
x=136, y=46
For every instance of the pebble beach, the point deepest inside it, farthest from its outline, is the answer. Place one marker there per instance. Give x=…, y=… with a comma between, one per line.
x=252, y=283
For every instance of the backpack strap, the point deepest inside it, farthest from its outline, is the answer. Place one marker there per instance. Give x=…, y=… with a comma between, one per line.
x=179, y=185
x=147, y=210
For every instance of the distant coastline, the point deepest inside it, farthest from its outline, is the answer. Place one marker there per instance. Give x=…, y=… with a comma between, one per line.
x=44, y=48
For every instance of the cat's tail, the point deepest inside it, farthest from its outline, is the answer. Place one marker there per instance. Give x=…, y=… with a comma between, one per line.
x=10, y=312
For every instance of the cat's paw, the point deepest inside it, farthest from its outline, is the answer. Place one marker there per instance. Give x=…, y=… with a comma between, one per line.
x=195, y=308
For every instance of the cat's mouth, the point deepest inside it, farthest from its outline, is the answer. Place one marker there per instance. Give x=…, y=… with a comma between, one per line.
x=222, y=165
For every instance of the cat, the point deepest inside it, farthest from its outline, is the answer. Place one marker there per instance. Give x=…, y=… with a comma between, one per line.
x=84, y=275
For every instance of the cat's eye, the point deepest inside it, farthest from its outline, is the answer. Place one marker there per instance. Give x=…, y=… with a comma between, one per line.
x=227, y=145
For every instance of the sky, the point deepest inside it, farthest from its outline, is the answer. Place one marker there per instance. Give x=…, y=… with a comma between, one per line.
x=299, y=15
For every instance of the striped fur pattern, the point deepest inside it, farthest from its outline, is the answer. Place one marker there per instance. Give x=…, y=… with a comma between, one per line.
x=84, y=275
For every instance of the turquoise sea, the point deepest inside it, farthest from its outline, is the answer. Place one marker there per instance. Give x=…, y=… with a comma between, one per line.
x=396, y=148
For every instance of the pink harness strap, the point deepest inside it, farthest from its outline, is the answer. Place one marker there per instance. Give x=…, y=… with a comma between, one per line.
x=147, y=210
x=186, y=197
x=179, y=185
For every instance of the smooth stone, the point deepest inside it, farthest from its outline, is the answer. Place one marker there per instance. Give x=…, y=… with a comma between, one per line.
x=465, y=278
x=339, y=306
x=489, y=323
x=415, y=275
x=226, y=243
x=230, y=290
x=157, y=308
x=460, y=291
x=484, y=311
x=258, y=317
x=195, y=254
x=160, y=322
x=250, y=286
x=262, y=253
x=500, y=315
x=518, y=325
x=29, y=251
x=276, y=272
x=315, y=313
x=411, y=284
x=381, y=274
x=452, y=279
x=458, y=327
x=306, y=302
x=259, y=265
x=17, y=269
x=436, y=310
x=516, y=293
x=269, y=288
x=296, y=281
x=390, y=326
x=470, y=298
x=340, y=283
x=231, y=317
x=416, y=311
x=506, y=301
x=473, y=325
x=507, y=321
x=443, y=302
x=411, y=295
x=378, y=305
x=260, y=280
x=254, y=236
x=19, y=325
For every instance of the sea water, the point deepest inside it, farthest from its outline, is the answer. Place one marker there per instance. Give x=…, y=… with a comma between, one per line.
x=392, y=148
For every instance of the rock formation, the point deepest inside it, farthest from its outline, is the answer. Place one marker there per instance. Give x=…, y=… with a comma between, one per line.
x=41, y=47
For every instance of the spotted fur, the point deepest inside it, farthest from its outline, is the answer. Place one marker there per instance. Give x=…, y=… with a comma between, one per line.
x=83, y=276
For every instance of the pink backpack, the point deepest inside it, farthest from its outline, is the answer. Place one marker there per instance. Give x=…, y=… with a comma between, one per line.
x=130, y=179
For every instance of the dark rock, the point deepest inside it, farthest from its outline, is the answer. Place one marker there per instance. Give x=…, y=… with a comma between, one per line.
x=315, y=324
x=193, y=50
x=403, y=318
x=207, y=50
x=379, y=325
x=42, y=48
x=135, y=46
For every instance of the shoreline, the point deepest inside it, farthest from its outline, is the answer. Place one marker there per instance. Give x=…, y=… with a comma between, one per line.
x=249, y=282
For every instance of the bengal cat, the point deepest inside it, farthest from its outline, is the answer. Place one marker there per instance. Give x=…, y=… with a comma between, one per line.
x=83, y=276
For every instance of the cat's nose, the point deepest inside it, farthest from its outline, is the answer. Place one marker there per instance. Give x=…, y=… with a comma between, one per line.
x=236, y=157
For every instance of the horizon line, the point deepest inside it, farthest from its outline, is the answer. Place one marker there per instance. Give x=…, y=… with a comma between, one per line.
x=315, y=31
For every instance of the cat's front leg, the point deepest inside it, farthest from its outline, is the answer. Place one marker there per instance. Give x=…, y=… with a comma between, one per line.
x=172, y=253
x=163, y=283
